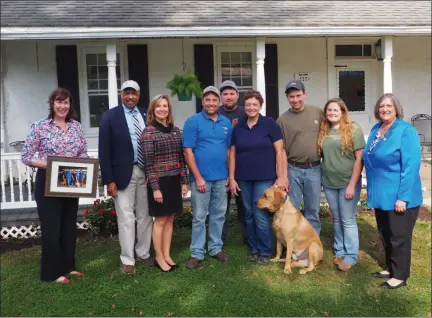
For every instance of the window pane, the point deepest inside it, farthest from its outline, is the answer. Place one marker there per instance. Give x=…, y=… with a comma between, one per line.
x=352, y=89
x=367, y=50
x=103, y=72
x=349, y=50
x=103, y=84
x=246, y=70
x=226, y=70
x=91, y=59
x=236, y=80
x=225, y=57
x=246, y=57
x=102, y=59
x=98, y=105
x=92, y=84
x=91, y=72
x=235, y=57
x=247, y=81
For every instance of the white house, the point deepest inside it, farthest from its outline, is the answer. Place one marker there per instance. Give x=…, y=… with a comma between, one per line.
x=353, y=49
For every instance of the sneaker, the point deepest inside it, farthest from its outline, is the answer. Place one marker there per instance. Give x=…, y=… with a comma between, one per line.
x=263, y=260
x=344, y=266
x=150, y=261
x=222, y=257
x=337, y=260
x=253, y=257
x=127, y=269
x=193, y=263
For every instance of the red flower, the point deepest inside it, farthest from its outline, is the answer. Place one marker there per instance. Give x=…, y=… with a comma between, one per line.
x=101, y=212
x=114, y=212
x=96, y=202
x=86, y=213
x=364, y=195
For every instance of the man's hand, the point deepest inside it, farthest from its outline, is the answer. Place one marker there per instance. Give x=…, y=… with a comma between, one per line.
x=157, y=195
x=233, y=187
x=400, y=206
x=282, y=183
x=185, y=190
x=112, y=189
x=201, y=185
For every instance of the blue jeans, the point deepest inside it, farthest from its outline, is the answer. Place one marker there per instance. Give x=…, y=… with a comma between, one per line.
x=306, y=184
x=257, y=220
x=346, y=238
x=212, y=202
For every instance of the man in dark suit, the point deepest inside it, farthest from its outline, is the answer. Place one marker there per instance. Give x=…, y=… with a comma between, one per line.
x=121, y=165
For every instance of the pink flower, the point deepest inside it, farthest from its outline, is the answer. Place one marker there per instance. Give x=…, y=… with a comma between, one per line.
x=114, y=212
x=86, y=213
x=101, y=212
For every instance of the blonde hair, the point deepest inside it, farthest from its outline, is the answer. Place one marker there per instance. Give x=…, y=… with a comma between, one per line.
x=345, y=128
x=154, y=103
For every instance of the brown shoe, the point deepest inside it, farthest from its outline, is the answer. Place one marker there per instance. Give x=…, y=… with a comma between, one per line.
x=127, y=269
x=193, y=263
x=344, y=266
x=222, y=257
x=337, y=260
x=150, y=261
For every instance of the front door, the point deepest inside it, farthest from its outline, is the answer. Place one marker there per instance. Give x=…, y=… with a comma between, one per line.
x=354, y=87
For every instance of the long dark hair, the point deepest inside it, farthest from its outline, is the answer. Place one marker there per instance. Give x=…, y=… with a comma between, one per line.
x=61, y=94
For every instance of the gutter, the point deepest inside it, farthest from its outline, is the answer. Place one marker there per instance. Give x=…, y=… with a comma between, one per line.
x=47, y=33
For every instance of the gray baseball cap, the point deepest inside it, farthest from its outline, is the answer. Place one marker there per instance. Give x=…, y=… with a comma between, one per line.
x=296, y=85
x=211, y=89
x=130, y=84
x=228, y=84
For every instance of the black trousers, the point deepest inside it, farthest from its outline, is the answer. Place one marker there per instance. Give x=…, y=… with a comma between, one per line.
x=58, y=218
x=241, y=218
x=396, y=231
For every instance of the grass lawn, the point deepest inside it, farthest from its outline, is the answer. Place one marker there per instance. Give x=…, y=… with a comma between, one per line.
x=237, y=288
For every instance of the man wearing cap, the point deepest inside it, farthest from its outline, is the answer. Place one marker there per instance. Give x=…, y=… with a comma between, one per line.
x=206, y=140
x=300, y=126
x=234, y=112
x=121, y=166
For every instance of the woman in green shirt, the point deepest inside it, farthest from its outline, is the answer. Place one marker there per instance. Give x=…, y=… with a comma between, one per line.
x=341, y=143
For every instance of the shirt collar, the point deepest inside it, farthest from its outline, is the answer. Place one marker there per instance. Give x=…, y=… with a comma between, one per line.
x=243, y=121
x=208, y=118
x=128, y=110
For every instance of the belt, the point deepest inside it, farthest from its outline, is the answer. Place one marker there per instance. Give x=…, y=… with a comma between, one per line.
x=304, y=165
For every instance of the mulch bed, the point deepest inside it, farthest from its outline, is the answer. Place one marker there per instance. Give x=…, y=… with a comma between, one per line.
x=14, y=244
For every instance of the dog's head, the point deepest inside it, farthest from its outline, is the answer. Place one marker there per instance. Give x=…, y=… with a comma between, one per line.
x=272, y=199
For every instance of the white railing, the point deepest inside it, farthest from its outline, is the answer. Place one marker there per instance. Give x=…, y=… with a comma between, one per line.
x=16, y=185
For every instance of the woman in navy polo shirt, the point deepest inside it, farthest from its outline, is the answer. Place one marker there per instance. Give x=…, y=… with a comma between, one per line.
x=256, y=162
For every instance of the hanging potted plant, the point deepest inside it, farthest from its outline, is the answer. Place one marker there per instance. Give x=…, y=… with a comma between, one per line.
x=184, y=85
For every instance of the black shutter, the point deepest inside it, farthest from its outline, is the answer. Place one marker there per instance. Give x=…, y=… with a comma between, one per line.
x=138, y=71
x=271, y=80
x=204, y=68
x=67, y=72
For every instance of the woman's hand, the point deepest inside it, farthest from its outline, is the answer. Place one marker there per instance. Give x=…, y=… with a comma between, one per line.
x=157, y=195
x=282, y=183
x=400, y=206
x=349, y=192
x=233, y=187
x=185, y=190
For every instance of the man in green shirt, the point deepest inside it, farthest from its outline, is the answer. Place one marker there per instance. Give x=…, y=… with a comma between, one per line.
x=300, y=126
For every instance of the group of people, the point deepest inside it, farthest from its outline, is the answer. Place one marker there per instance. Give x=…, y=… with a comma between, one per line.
x=72, y=177
x=231, y=150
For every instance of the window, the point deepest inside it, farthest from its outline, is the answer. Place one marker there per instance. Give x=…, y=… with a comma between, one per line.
x=96, y=87
x=352, y=89
x=237, y=66
x=353, y=50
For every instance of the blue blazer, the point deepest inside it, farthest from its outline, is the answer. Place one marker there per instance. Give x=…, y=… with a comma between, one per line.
x=393, y=167
x=116, y=155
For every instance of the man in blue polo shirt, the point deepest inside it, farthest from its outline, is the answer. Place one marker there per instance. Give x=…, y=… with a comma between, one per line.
x=206, y=140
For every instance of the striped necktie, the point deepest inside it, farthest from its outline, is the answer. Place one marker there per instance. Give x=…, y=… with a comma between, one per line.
x=138, y=132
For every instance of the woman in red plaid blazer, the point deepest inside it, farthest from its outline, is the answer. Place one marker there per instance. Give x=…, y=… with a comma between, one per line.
x=165, y=169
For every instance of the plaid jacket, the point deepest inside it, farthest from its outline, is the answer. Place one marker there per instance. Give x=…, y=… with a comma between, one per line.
x=163, y=155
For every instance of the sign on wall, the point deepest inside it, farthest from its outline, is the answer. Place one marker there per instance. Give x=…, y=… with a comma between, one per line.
x=304, y=77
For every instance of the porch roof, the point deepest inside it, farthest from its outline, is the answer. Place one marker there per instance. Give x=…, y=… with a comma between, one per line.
x=108, y=19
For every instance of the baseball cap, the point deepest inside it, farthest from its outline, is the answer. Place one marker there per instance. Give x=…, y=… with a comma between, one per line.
x=228, y=84
x=295, y=84
x=211, y=89
x=130, y=84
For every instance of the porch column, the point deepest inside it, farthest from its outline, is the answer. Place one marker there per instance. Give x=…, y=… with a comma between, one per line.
x=387, y=58
x=111, y=56
x=260, y=57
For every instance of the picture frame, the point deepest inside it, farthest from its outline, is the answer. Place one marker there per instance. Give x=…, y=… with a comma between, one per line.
x=71, y=177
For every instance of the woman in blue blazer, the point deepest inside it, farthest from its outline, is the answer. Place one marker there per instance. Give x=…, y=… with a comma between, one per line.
x=392, y=160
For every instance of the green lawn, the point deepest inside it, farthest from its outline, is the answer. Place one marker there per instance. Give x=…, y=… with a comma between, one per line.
x=237, y=288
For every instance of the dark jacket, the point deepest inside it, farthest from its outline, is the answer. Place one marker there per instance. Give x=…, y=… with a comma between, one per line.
x=116, y=155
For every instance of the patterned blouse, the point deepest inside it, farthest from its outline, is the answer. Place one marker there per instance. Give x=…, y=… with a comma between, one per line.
x=374, y=142
x=162, y=153
x=48, y=139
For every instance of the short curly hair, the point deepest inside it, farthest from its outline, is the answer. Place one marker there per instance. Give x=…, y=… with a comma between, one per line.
x=395, y=102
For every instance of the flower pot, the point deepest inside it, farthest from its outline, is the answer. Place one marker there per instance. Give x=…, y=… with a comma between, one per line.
x=184, y=98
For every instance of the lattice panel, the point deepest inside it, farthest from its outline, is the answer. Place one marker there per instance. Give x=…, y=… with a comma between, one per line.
x=26, y=231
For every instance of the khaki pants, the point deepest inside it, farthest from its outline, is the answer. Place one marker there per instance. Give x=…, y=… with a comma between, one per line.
x=134, y=198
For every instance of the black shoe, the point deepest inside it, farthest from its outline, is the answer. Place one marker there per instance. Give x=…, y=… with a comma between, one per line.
x=253, y=257
x=174, y=266
x=160, y=268
x=379, y=275
x=388, y=286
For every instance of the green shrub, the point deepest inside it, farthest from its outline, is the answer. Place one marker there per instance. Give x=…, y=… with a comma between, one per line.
x=184, y=219
x=102, y=218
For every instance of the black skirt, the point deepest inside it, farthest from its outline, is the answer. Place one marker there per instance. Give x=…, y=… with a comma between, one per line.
x=172, y=197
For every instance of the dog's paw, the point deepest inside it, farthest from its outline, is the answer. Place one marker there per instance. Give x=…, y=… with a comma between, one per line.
x=275, y=259
x=288, y=270
x=303, y=271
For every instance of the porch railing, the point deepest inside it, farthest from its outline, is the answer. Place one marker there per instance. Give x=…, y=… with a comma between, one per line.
x=16, y=183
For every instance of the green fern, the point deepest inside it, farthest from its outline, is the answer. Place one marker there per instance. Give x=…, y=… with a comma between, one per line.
x=185, y=84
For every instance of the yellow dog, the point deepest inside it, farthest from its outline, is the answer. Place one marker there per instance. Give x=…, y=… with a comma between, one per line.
x=293, y=231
